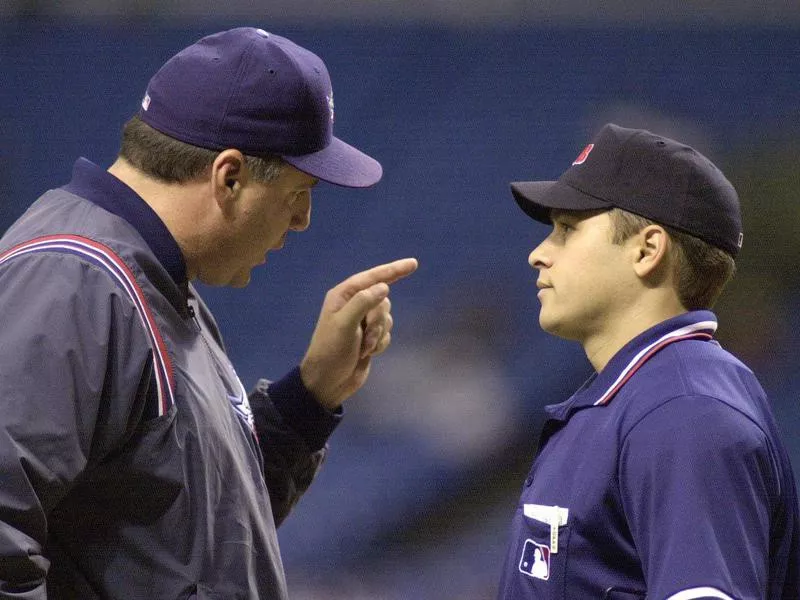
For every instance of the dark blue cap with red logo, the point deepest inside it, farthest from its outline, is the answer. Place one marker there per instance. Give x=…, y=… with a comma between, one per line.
x=646, y=174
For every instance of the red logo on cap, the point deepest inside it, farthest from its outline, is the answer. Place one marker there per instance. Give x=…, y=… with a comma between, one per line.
x=583, y=155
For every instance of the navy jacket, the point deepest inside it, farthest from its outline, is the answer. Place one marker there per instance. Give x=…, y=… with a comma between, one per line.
x=132, y=462
x=662, y=477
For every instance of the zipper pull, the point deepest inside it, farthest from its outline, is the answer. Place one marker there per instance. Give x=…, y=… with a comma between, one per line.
x=193, y=316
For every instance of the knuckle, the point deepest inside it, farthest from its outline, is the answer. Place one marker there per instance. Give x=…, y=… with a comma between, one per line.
x=386, y=340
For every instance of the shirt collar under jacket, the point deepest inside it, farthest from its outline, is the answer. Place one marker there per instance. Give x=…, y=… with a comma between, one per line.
x=601, y=388
x=106, y=191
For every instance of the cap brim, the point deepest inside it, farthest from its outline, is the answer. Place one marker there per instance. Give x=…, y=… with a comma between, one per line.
x=538, y=198
x=341, y=164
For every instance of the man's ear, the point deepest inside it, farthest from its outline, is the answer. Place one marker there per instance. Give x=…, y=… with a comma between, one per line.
x=228, y=175
x=651, y=247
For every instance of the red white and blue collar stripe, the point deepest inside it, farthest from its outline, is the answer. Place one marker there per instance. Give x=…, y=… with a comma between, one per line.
x=105, y=258
x=100, y=187
x=701, y=330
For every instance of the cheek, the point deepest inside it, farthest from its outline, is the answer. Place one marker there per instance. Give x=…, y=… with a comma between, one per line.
x=581, y=279
x=262, y=225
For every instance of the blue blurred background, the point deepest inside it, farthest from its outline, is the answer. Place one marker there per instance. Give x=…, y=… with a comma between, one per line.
x=456, y=99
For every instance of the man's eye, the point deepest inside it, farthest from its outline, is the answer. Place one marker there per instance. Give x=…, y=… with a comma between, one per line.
x=564, y=227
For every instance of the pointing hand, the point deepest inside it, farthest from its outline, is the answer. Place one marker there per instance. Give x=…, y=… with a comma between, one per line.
x=354, y=325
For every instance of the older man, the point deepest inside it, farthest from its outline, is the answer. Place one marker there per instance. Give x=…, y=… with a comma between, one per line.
x=132, y=462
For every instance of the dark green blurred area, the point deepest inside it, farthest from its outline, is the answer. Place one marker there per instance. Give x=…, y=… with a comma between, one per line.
x=759, y=308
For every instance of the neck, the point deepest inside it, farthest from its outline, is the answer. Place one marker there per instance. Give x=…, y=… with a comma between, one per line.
x=601, y=346
x=176, y=204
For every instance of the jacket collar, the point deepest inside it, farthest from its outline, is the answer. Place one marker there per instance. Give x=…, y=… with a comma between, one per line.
x=106, y=191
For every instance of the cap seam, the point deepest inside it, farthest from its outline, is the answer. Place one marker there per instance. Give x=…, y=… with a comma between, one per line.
x=624, y=155
x=689, y=184
x=234, y=88
x=306, y=94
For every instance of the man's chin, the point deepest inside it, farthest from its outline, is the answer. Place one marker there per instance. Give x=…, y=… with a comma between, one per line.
x=547, y=327
x=552, y=326
x=560, y=329
x=240, y=281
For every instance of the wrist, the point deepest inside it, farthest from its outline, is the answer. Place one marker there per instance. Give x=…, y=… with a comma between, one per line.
x=301, y=411
x=311, y=378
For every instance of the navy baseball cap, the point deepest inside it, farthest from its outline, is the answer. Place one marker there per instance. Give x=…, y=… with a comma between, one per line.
x=646, y=174
x=259, y=93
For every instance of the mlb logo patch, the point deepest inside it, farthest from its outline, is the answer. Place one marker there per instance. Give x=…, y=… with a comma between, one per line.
x=535, y=560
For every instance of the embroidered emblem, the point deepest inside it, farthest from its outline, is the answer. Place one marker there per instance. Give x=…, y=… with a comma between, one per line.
x=241, y=404
x=583, y=155
x=330, y=105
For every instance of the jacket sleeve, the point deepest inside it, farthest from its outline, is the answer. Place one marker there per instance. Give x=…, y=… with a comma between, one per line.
x=699, y=486
x=293, y=429
x=64, y=323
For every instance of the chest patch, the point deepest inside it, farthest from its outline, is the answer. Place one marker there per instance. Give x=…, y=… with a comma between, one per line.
x=535, y=560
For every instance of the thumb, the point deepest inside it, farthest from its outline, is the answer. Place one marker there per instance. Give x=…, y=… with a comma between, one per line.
x=364, y=301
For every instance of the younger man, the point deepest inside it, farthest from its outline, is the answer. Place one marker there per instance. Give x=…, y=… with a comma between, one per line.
x=663, y=476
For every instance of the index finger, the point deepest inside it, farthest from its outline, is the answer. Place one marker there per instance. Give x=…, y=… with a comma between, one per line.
x=386, y=273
